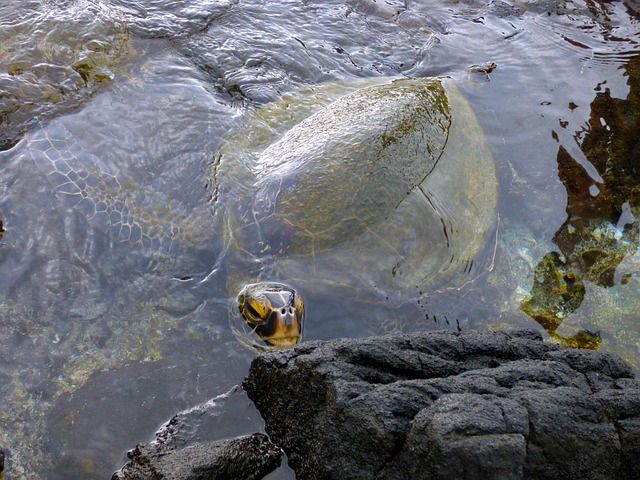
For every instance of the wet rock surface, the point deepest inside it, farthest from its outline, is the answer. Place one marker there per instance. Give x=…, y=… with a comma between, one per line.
x=446, y=405
x=244, y=458
x=198, y=443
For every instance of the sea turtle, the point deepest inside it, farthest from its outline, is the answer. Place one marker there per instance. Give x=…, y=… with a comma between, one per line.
x=381, y=191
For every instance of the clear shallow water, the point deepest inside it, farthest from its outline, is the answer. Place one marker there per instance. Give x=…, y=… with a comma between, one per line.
x=102, y=340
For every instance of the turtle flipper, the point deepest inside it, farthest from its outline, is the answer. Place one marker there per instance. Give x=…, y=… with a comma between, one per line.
x=105, y=197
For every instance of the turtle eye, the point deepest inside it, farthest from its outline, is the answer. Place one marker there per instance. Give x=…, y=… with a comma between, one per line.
x=252, y=311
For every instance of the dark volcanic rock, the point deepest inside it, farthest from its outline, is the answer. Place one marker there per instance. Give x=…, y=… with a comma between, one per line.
x=189, y=446
x=250, y=457
x=502, y=405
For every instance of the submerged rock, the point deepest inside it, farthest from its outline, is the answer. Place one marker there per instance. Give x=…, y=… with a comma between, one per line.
x=54, y=58
x=445, y=405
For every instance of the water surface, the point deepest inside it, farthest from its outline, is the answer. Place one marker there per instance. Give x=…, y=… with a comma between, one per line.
x=104, y=336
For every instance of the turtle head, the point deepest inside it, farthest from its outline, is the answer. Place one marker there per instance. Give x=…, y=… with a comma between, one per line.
x=274, y=312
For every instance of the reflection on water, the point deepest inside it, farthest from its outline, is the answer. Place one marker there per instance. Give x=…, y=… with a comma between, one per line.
x=102, y=341
x=602, y=208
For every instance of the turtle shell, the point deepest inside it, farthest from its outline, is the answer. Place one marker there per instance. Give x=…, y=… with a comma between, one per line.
x=385, y=189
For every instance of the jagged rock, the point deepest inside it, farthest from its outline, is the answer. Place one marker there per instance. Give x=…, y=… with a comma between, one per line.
x=502, y=405
x=186, y=446
x=245, y=458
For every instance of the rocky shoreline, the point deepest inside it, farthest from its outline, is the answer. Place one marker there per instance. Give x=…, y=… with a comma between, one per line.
x=501, y=405
x=250, y=457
